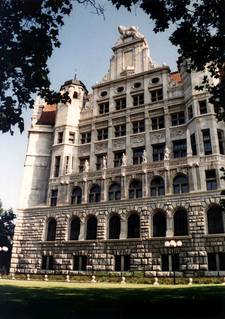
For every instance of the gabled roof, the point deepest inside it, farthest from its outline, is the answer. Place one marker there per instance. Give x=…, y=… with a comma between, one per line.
x=48, y=115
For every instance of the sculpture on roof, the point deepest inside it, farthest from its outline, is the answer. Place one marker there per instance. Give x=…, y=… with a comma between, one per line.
x=129, y=32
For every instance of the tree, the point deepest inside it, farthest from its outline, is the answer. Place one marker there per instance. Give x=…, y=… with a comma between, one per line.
x=6, y=237
x=29, y=33
x=199, y=35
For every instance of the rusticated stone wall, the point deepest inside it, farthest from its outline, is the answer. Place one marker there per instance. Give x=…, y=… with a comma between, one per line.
x=145, y=252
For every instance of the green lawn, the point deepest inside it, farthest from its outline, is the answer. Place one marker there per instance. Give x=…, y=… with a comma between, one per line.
x=36, y=299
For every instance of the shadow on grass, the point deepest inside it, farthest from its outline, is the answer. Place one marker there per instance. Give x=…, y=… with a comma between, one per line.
x=22, y=302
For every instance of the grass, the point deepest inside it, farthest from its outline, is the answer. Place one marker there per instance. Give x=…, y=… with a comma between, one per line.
x=36, y=299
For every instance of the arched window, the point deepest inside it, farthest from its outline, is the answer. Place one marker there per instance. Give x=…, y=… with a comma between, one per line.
x=51, y=229
x=114, y=227
x=157, y=186
x=91, y=228
x=75, y=228
x=135, y=189
x=95, y=194
x=75, y=95
x=133, y=229
x=159, y=224
x=115, y=191
x=215, y=220
x=76, y=196
x=180, y=221
x=180, y=184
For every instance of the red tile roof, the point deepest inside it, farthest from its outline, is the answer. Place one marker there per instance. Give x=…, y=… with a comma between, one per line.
x=48, y=115
x=176, y=77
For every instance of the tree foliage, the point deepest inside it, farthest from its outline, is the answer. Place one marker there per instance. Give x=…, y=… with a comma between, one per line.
x=29, y=33
x=7, y=227
x=199, y=34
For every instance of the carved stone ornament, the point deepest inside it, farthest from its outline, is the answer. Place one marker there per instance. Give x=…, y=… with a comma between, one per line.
x=157, y=137
x=137, y=139
x=84, y=149
x=177, y=132
x=127, y=32
x=100, y=147
x=119, y=143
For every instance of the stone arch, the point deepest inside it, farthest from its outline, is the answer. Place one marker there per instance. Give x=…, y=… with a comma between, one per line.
x=76, y=195
x=215, y=219
x=133, y=225
x=51, y=225
x=91, y=227
x=114, y=192
x=180, y=184
x=114, y=226
x=157, y=186
x=159, y=223
x=135, y=188
x=74, y=228
x=180, y=222
x=95, y=193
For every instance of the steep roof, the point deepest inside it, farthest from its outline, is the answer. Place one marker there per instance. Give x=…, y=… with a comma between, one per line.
x=48, y=115
x=176, y=76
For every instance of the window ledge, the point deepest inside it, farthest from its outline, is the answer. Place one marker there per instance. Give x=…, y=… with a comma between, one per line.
x=214, y=235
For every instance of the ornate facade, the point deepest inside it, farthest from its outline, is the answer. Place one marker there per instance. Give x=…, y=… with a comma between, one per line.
x=113, y=175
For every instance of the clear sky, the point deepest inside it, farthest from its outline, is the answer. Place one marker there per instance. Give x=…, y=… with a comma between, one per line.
x=86, y=42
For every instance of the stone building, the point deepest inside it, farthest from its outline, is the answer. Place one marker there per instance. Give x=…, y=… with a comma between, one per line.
x=113, y=175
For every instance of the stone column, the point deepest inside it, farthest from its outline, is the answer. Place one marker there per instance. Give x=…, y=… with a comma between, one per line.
x=101, y=229
x=128, y=144
x=123, y=231
x=144, y=224
x=167, y=130
x=168, y=182
x=169, y=225
x=214, y=136
x=110, y=151
x=145, y=186
x=124, y=194
x=189, y=149
x=85, y=191
x=82, y=234
x=147, y=136
x=92, y=149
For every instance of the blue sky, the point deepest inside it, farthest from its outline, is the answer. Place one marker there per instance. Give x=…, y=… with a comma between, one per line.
x=86, y=42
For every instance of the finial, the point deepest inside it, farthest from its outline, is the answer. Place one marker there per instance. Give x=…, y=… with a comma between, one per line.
x=75, y=74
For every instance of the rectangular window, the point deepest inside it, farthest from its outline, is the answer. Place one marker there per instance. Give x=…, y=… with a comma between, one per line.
x=122, y=263
x=158, y=122
x=138, y=155
x=190, y=112
x=193, y=144
x=85, y=137
x=47, y=263
x=210, y=176
x=170, y=262
x=103, y=108
x=118, y=158
x=180, y=148
x=102, y=134
x=67, y=162
x=158, y=152
x=156, y=95
x=216, y=261
x=177, y=118
x=222, y=261
x=138, y=126
x=54, y=196
x=71, y=137
x=138, y=99
x=99, y=161
x=212, y=265
x=202, y=107
x=120, y=103
x=80, y=263
x=60, y=137
x=207, y=141
x=120, y=130
x=220, y=134
x=82, y=163
x=57, y=166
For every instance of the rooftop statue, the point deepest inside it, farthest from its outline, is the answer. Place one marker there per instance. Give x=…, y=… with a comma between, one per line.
x=129, y=32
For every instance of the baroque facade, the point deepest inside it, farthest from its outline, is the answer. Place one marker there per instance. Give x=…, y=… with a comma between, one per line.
x=113, y=175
